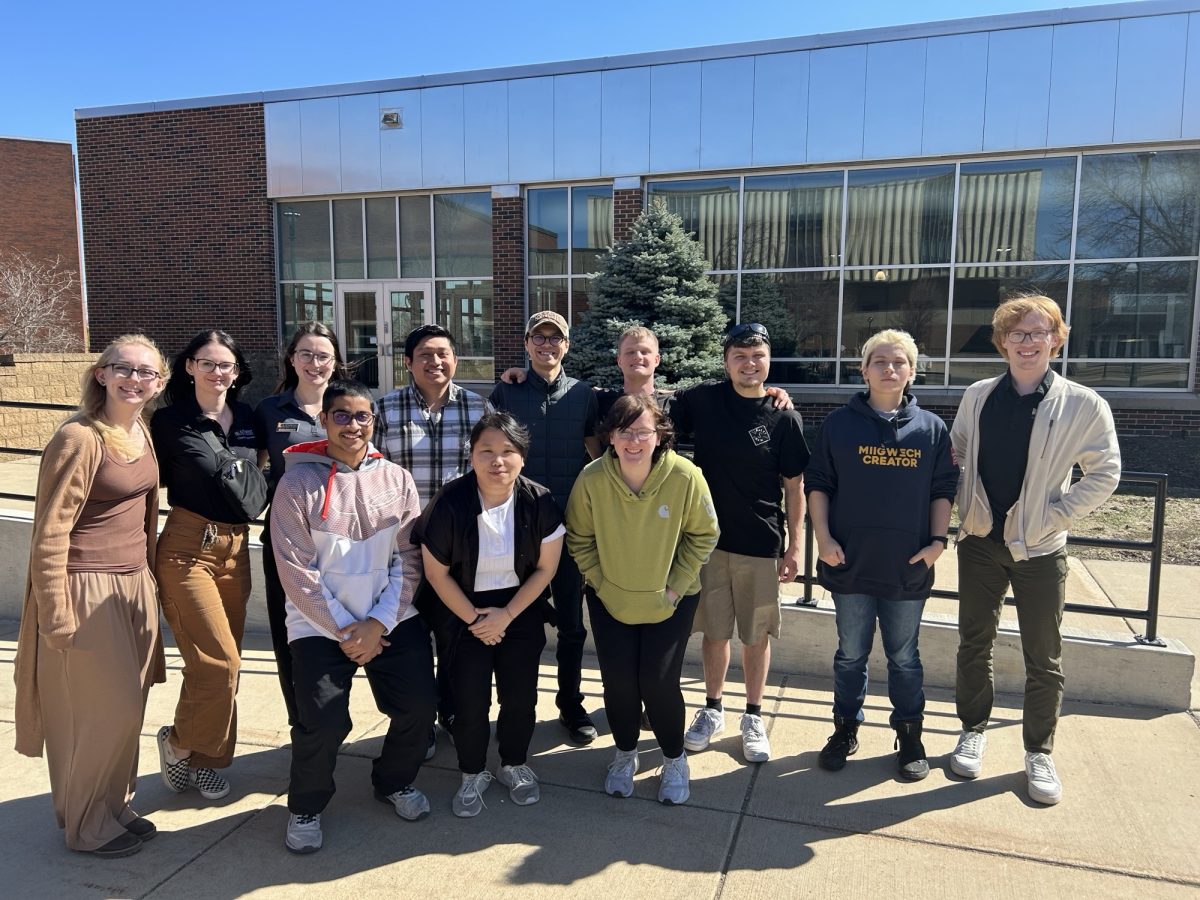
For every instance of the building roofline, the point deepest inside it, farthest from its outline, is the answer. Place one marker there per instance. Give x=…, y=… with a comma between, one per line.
x=1033, y=19
x=33, y=140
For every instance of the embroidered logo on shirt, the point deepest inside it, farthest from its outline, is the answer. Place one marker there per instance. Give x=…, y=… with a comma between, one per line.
x=664, y=512
x=287, y=426
x=759, y=435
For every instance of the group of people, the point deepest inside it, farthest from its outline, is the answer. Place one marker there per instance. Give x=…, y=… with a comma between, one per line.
x=435, y=512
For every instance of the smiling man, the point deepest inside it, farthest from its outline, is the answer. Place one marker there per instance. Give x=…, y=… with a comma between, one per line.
x=1017, y=438
x=752, y=455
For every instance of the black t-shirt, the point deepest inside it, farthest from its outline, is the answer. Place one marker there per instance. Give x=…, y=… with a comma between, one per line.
x=745, y=447
x=1005, y=427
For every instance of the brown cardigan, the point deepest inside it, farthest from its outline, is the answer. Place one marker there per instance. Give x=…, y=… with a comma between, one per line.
x=69, y=464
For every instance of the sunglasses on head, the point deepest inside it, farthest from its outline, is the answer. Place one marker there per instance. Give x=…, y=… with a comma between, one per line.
x=746, y=329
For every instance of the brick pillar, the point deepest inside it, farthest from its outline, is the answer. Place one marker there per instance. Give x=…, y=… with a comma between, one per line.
x=627, y=206
x=508, y=276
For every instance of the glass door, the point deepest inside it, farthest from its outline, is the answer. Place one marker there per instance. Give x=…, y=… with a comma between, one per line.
x=375, y=320
x=405, y=307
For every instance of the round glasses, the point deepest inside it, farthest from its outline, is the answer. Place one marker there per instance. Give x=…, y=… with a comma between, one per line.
x=552, y=339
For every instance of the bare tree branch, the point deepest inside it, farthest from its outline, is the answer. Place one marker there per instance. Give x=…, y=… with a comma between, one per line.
x=36, y=297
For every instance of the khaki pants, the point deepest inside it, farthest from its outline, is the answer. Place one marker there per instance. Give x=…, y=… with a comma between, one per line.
x=93, y=698
x=204, y=590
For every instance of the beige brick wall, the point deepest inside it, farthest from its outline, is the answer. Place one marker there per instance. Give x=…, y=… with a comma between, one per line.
x=37, y=378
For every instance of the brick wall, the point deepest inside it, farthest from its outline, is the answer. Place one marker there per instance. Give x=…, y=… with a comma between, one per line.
x=627, y=206
x=177, y=229
x=508, y=281
x=41, y=378
x=37, y=190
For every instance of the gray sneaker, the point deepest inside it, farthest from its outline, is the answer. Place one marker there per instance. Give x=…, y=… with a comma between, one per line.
x=967, y=759
x=304, y=834
x=673, y=787
x=619, y=780
x=755, y=746
x=707, y=725
x=1044, y=783
x=410, y=804
x=468, y=801
x=522, y=784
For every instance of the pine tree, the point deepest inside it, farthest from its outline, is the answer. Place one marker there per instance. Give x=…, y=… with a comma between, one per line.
x=655, y=278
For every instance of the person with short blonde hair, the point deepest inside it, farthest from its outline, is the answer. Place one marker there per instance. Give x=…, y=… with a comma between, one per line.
x=898, y=339
x=1017, y=438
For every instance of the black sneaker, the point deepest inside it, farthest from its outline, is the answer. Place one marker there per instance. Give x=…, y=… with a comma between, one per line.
x=841, y=744
x=579, y=726
x=911, y=759
x=122, y=845
x=142, y=829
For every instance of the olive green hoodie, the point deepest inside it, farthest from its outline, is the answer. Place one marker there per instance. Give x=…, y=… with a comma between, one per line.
x=632, y=547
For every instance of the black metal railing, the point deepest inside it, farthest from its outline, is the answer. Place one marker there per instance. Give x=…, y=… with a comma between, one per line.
x=1154, y=547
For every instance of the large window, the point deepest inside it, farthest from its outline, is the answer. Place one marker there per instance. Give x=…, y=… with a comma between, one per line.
x=825, y=259
x=570, y=230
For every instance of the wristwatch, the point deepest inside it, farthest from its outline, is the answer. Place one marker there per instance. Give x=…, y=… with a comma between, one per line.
x=941, y=539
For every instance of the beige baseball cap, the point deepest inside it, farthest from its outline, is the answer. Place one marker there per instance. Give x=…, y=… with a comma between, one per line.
x=550, y=316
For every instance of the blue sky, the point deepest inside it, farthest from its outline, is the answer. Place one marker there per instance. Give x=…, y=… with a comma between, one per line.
x=63, y=55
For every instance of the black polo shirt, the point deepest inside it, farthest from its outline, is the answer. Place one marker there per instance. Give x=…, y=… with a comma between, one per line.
x=279, y=423
x=1005, y=427
x=188, y=465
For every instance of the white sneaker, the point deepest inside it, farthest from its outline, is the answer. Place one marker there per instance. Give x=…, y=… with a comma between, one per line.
x=707, y=725
x=409, y=802
x=303, y=834
x=468, y=801
x=522, y=784
x=619, y=780
x=1044, y=786
x=967, y=759
x=755, y=746
x=673, y=788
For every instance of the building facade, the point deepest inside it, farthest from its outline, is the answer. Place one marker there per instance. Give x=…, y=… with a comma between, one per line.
x=907, y=177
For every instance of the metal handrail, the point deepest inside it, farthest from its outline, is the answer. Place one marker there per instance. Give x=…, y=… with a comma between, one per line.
x=1154, y=547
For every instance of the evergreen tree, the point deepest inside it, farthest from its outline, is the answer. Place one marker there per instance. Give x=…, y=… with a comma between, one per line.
x=656, y=279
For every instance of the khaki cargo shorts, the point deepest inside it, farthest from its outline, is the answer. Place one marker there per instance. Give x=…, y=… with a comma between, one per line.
x=742, y=590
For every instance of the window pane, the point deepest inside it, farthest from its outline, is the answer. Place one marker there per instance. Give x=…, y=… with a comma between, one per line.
x=305, y=303
x=1139, y=204
x=726, y=294
x=463, y=234
x=798, y=308
x=362, y=336
x=709, y=210
x=591, y=228
x=464, y=308
x=965, y=373
x=1134, y=310
x=793, y=372
x=792, y=221
x=548, y=232
x=929, y=373
x=416, y=250
x=348, y=239
x=1016, y=210
x=583, y=291
x=1141, y=375
x=548, y=293
x=304, y=241
x=381, y=237
x=978, y=290
x=914, y=300
x=899, y=216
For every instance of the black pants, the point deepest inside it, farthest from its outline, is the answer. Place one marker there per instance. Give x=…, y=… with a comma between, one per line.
x=401, y=678
x=641, y=664
x=515, y=664
x=567, y=589
x=277, y=618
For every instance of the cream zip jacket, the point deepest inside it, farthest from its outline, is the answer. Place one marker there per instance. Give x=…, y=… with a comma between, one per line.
x=1073, y=425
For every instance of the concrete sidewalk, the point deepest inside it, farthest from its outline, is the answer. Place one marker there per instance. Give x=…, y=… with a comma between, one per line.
x=1128, y=825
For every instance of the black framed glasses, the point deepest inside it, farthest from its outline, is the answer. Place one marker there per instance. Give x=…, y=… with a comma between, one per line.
x=121, y=370
x=343, y=417
x=552, y=339
x=743, y=330
x=208, y=366
x=307, y=357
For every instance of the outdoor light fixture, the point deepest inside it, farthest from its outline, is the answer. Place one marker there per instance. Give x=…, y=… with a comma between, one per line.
x=391, y=118
x=880, y=275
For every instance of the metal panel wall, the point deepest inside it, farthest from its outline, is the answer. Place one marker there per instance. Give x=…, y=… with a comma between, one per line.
x=837, y=80
x=675, y=118
x=531, y=129
x=895, y=98
x=442, y=157
x=956, y=70
x=780, y=109
x=625, y=122
x=1017, y=108
x=1150, y=74
x=485, y=112
x=282, y=123
x=1191, y=89
x=321, y=170
x=358, y=116
x=400, y=148
x=1083, y=80
x=726, y=112
x=577, y=119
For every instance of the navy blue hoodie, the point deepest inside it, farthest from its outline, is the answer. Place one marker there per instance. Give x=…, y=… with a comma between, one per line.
x=880, y=476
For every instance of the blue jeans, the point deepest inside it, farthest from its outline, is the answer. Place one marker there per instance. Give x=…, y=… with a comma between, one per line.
x=899, y=625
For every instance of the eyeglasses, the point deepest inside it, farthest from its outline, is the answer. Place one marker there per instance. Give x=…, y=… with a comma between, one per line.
x=307, y=357
x=208, y=366
x=343, y=417
x=123, y=371
x=744, y=330
x=540, y=339
x=1020, y=337
x=641, y=434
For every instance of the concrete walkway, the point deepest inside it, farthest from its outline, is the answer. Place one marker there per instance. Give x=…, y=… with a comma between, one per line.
x=1129, y=823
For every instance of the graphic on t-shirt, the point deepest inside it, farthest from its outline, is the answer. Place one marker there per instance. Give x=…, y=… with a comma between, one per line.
x=904, y=457
x=759, y=435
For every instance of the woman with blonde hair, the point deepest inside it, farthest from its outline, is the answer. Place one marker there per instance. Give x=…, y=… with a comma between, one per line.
x=89, y=645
